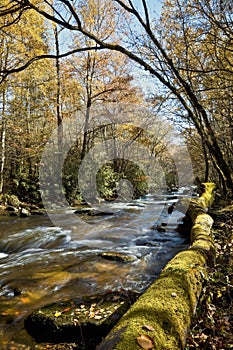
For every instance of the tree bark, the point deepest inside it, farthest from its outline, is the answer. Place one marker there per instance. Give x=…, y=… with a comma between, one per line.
x=58, y=92
x=3, y=143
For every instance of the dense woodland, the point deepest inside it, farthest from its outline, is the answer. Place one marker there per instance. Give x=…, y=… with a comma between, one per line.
x=70, y=59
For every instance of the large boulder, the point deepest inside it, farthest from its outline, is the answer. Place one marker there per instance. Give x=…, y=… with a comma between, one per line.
x=84, y=321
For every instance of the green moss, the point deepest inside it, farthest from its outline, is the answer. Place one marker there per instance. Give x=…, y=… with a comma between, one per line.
x=116, y=256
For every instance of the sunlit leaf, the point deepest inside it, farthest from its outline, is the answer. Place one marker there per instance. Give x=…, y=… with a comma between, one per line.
x=57, y=314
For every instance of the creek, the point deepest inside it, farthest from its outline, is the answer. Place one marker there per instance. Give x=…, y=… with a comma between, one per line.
x=45, y=259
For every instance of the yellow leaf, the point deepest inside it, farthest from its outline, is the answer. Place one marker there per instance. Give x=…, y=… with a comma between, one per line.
x=57, y=314
x=10, y=312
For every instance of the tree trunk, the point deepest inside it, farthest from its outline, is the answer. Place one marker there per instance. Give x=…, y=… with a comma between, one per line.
x=58, y=93
x=85, y=132
x=3, y=143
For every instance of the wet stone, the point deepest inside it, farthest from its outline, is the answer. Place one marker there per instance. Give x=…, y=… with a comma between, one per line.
x=24, y=213
x=38, y=212
x=171, y=198
x=82, y=211
x=98, y=213
x=160, y=229
x=84, y=321
x=117, y=257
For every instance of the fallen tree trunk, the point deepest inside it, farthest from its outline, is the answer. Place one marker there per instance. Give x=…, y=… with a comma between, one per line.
x=161, y=317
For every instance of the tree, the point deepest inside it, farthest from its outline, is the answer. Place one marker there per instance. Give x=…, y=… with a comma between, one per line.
x=3, y=92
x=104, y=76
x=204, y=55
x=26, y=111
x=146, y=45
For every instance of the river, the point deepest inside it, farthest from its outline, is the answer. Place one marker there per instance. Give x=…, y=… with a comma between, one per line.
x=44, y=259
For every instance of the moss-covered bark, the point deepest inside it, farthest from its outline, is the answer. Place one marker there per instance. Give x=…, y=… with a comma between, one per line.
x=164, y=312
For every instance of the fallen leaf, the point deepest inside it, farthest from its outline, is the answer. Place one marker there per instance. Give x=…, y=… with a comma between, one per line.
x=10, y=312
x=25, y=300
x=98, y=317
x=66, y=309
x=148, y=327
x=145, y=342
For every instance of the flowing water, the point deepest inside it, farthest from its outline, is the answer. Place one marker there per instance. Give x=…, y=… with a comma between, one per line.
x=44, y=259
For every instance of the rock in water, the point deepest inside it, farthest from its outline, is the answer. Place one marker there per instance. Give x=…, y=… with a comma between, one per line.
x=24, y=213
x=115, y=256
x=84, y=321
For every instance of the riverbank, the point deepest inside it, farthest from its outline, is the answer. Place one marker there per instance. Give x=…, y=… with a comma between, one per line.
x=10, y=205
x=212, y=326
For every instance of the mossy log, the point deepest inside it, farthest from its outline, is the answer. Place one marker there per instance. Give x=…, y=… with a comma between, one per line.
x=161, y=317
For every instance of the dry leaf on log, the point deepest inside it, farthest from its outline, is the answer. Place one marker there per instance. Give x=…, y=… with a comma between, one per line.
x=145, y=342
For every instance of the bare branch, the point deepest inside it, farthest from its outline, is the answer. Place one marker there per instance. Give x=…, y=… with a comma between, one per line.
x=124, y=6
x=52, y=18
x=146, y=13
x=6, y=72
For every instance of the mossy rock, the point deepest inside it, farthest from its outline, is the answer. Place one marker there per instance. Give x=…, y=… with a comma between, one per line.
x=11, y=200
x=115, y=256
x=84, y=321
